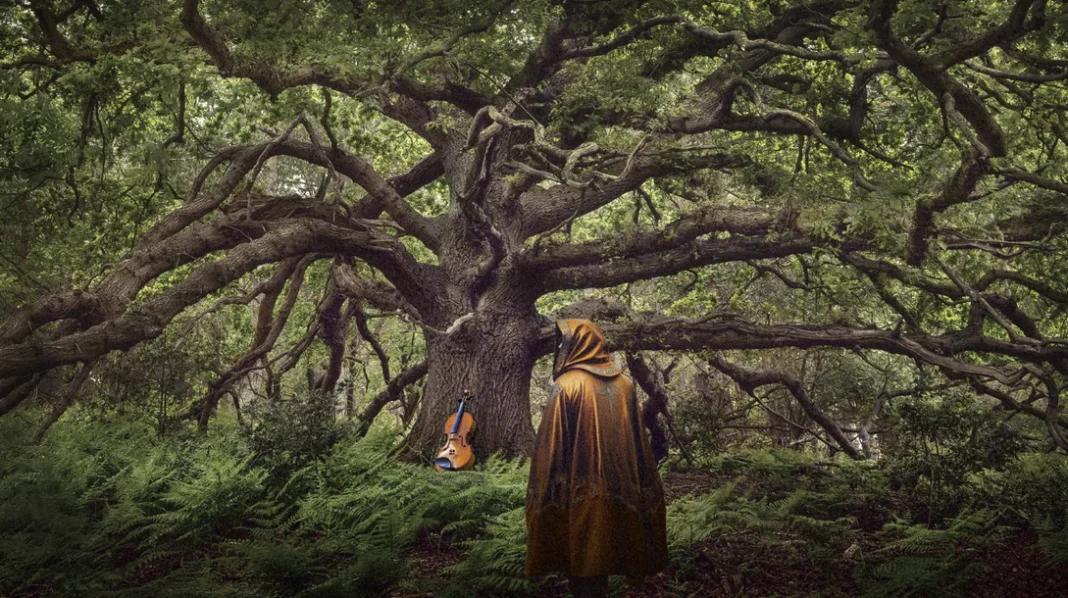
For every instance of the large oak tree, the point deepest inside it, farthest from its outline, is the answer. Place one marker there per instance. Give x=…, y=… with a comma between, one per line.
x=912, y=152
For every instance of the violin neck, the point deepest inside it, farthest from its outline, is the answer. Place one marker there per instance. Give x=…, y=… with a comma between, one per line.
x=459, y=416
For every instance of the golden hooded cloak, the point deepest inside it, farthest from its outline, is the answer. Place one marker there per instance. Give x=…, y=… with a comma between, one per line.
x=595, y=505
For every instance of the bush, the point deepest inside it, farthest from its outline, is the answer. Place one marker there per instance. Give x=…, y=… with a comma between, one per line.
x=944, y=440
x=287, y=434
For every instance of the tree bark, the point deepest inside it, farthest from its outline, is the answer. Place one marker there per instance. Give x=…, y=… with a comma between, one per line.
x=494, y=358
x=655, y=388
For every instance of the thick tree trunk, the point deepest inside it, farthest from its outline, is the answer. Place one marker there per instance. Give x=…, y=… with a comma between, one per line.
x=493, y=356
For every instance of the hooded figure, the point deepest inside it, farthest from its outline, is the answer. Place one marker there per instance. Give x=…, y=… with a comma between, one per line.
x=595, y=506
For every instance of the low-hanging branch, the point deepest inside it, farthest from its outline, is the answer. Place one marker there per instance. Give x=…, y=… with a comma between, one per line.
x=69, y=394
x=283, y=239
x=750, y=380
x=547, y=208
x=653, y=380
x=392, y=393
x=739, y=221
x=365, y=333
x=333, y=328
x=177, y=235
x=733, y=333
x=699, y=252
x=269, y=326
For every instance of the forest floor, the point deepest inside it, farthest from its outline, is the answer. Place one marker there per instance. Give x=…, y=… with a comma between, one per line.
x=753, y=563
x=139, y=517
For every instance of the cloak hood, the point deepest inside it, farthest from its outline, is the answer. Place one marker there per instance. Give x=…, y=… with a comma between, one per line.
x=581, y=345
x=595, y=503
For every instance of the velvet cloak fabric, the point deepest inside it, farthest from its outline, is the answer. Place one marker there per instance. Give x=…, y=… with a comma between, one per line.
x=595, y=505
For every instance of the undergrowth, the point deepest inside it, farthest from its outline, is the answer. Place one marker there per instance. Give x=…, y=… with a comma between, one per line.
x=109, y=509
x=106, y=507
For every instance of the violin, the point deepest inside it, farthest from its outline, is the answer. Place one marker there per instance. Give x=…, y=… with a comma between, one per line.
x=457, y=453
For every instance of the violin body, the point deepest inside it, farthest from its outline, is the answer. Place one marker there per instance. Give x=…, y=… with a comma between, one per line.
x=457, y=453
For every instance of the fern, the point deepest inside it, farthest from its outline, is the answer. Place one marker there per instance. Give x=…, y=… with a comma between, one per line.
x=495, y=562
x=1053, y=538
x=110, y=509
x=693, y=520
x=921, y=576
x=931, y=561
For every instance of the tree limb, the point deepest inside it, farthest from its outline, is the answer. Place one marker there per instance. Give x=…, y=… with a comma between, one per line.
x=750, y=380
x=391, y=393
x=283, y=239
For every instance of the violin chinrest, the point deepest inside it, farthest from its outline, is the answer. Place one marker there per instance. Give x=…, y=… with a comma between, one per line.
x=443, y=464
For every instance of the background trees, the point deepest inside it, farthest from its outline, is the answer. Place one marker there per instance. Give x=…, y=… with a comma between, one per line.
x=870, y=192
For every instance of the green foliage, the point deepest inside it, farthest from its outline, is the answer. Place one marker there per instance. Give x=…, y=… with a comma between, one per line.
x=1033, y=488
x=935, y=562
x=106, y=507
x=775, y=463
x=693, y=520
x=845, y=510
x=690, y=521
x=943, y=440
x=1031, y=493
x=495, y=560
x=1053, y=538
x=287, y=434
x=921, y=576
